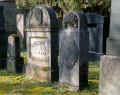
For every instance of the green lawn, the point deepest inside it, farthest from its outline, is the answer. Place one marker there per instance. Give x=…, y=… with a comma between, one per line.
x=18, y=84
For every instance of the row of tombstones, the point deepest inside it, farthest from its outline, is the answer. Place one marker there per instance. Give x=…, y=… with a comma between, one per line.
x=80, y=40
x=46, y=46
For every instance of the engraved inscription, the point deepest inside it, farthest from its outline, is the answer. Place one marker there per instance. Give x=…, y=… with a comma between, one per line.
x=39, y=48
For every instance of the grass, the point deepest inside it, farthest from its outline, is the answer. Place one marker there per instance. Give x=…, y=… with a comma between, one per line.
x=18, y=84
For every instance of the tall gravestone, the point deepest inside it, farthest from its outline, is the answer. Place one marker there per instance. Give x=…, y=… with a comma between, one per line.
x=73, y=69
x=15, y=63
x=110, y=63
x=95, y=27
x=42, y=44
x=3, y=40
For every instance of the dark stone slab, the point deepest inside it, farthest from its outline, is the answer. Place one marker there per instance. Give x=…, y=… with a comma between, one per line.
x=109, y=75
x=95, y=27
x=3, y=39
x=73, y=68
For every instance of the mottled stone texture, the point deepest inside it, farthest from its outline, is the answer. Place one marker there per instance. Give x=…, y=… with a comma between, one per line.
x=109, y=75
x=73, y=68
x=42, y=44
x=113, y=45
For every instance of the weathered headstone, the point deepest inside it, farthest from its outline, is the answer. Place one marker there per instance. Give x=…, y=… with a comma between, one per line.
x=73, y=69
x=3, y=40
x=15, y=63
x=95, y=27
x=109, y=75
x=113, y=40
x=110, y=64
x=42, y=44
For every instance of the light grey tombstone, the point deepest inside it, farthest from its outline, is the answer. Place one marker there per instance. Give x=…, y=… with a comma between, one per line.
x=73, y=68
x=14, y=61
x=113, y=41
x=109, y=75
x=110, y=64
x=42, y=44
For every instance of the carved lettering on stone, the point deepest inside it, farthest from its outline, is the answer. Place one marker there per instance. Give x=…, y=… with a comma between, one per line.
x=39, y=49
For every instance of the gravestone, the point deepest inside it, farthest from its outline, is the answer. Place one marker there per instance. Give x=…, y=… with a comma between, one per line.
x=42, y=44
x=109, y=75
x=3, y=40
x=110, y=63
x=73, y=69
x=95, y=27
x=15, y=63
x=113, y=40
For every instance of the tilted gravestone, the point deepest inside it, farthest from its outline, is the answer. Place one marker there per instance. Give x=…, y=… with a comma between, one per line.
x=3, y=40
x=110, y=63
x=73, y=69
x=42, y=44
x=15, y=63
x=95, y=27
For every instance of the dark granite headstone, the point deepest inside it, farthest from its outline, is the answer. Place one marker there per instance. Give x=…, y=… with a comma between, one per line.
x=113, y=40
x=73, y=69
x=95, y=27
x=3, y=40
x=42, y=44
x=15, y=63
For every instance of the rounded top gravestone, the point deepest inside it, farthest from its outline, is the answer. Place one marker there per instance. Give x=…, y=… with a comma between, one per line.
x=41, y=17
x=73, y=51
x=42, y=43
x=73, y=19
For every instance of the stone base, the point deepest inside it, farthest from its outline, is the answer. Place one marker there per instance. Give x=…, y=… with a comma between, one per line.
x=75, y=78
x=11, y=64
x=38, y=72
x=15, y=65
x=109, y=75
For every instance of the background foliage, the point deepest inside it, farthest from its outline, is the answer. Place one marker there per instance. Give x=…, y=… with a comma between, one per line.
x=99, y=6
